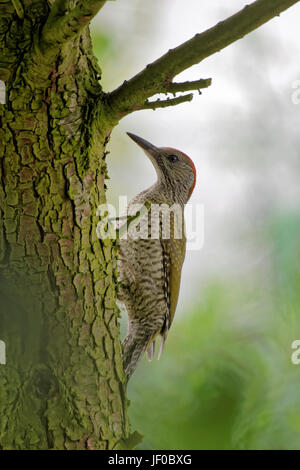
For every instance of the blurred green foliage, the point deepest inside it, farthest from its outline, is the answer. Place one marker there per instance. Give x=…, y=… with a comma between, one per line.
x=103, y=46
x=226, y=380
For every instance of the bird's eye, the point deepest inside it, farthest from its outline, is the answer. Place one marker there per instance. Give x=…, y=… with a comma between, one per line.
x=172, y=158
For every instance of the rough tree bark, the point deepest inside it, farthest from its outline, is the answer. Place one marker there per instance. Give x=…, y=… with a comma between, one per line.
x=63, y=385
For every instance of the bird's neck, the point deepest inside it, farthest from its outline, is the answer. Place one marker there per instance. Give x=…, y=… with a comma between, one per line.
x=163, y=193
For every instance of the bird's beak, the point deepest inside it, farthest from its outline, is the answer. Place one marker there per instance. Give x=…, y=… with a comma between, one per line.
x=148, y=148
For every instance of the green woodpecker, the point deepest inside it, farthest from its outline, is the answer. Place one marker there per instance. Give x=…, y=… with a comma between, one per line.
x=150, y=262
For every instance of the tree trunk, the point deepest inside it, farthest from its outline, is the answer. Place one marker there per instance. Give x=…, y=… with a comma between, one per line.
x=60, y=386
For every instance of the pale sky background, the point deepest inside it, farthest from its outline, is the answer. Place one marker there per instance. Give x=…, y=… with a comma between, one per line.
x=242, y=132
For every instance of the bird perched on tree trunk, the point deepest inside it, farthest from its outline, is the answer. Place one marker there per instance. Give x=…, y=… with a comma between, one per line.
x=151, y=257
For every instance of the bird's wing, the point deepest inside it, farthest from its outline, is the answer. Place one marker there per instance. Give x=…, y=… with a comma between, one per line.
x=174, y=253
x=173, y=257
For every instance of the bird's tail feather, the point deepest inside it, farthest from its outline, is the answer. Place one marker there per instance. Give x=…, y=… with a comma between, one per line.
x=150, y=351
x=134, y=348
x=162, y=344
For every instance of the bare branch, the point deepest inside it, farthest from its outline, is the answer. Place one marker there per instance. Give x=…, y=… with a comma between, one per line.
x=158, y=75
x=174, y=87
x=61, y=26
x=165, y=103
